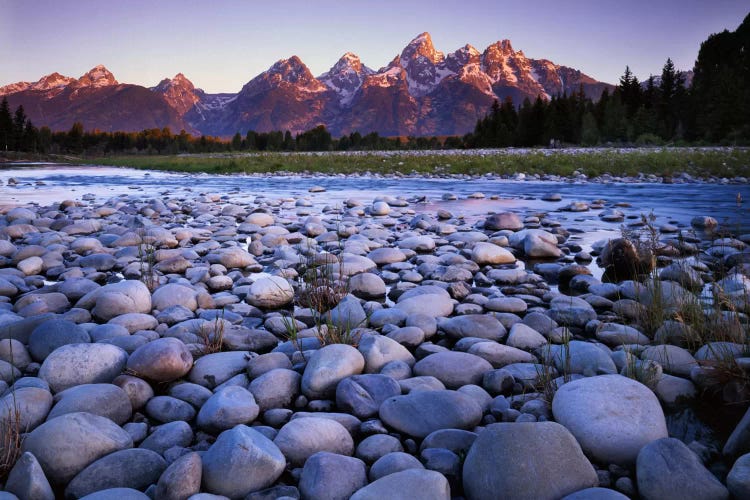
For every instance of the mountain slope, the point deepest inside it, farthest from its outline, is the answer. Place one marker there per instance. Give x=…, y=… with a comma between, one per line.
x=422, y=91
x=98, y=101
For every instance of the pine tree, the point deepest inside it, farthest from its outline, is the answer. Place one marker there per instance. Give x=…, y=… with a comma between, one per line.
x=6, y=125
x=630, y=91
x=19, y=122
x=236, y=142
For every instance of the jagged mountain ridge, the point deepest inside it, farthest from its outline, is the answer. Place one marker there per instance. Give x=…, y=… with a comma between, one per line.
x=97, y=100
x=422, y=91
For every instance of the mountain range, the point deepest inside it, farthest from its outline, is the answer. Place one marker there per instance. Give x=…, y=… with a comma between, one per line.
x=422, y=91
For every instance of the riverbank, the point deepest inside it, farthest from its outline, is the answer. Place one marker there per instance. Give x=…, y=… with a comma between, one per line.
x=591, y=162
x=380, y=345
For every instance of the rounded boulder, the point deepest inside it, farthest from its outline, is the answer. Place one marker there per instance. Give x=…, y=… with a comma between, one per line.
x=611, y=416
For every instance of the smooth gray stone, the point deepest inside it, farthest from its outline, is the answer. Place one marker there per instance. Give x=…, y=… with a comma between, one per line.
x=330, y=476
x=27, y=480
x=327, y=367
x=378, y=350
x=134, y=468
x=118, y=493
x=302, y=437
x=181, y=479
x=739, y=441
x=105, y=400
x=168, y=409
x=456, y=440
x=277, y=388
x=76, y=364
x=161, y=360
x=167, y=436
x=453, y=369
x=66, y=445
x=362, y=395
x=668, y=469
x=738, y=480
x=410, y=484
x=191, y=393
x=611, y=416
x=373, y=447
x=484, y=326
x=138, y=390
x=32, y=403
x=241, y=460
x=422, y=412
x=52, y=334
x=212, y=370
x=503, y=453
x=393, y=462
x=596, y=494
x=228, y=407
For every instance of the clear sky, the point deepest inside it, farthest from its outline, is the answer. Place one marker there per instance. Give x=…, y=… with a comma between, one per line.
x=221, y=44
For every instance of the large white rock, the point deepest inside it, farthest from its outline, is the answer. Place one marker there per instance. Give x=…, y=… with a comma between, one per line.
x=611, y=416
x=490, y=254
x=270, y=293
x=129, y=296
x=327, y=367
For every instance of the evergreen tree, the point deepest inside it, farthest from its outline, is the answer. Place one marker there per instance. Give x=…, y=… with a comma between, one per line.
x=19, y=123
x=719, y=93
x=236, y=142
x=630, y=91
x=589, y=130
x=6, y=125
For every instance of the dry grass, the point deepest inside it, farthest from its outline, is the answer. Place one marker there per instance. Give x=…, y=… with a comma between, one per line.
x=10, y=439
x=211, y=335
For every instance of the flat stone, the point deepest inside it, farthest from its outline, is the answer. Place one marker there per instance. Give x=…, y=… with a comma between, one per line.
x=453, y=369
x=421, y=412
x=484, y=326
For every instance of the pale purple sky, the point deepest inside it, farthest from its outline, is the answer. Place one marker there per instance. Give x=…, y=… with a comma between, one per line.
x=221, y=44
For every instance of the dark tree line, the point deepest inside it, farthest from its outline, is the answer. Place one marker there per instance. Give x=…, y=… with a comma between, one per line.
x=17, y=133
x=714, y=108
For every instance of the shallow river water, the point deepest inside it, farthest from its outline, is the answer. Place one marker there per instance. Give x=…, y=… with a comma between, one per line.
x=41, y=184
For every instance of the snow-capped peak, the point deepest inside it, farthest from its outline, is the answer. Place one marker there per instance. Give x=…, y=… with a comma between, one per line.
x=286, y=72
x=461, y=57
x=421, y=46
x=98, y=76
x=12, y=88
x=346, y=76
x=53, y=81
